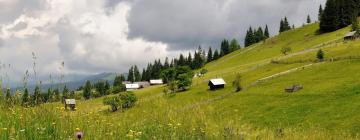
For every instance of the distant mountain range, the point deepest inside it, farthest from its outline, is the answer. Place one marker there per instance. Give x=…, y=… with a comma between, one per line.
x=72, y=81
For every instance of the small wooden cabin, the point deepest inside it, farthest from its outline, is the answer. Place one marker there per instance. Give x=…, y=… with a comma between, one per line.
x=350, y=36
x=130, y=87
x=156, y=82
x=70, y=103
x=293, y=88
x=218, y=83
x=143, y=84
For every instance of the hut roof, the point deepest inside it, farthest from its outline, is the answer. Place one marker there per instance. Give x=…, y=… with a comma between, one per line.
x=350, y=34
x=156, y=81
x=132, y=86
x=218, y=81
x=70, y=101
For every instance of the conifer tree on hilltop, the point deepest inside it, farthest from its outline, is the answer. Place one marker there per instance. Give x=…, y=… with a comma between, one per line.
x=266, y=32
x=308, y=20
x=284, y=25
x=209, y=55
x=131, y=77
x=234, y=45
x=255, y=36
x=225, y=47
x=321, y=11
x=216, y=55
x=338, y=14
x=189, y=60
x=137, y=75
x=249, y=38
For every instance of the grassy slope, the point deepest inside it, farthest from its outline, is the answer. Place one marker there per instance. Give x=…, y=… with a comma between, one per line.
x=328, y=101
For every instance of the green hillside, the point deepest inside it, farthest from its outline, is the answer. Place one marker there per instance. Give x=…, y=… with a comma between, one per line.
x=327, y=107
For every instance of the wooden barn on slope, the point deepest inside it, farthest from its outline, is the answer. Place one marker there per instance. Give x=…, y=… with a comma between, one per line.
x=350, y=36
x=156, y=82
x=218, y=83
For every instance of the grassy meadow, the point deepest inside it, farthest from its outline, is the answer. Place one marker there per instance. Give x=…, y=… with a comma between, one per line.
x=327, y=107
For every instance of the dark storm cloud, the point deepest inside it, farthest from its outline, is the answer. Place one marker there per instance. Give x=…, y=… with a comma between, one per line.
x=184, y=24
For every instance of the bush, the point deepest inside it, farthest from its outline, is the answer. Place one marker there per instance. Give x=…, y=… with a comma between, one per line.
x=118, y=89
x=128, y=99
x=203, y=71
x=113, y=102
x=320, y=55
x=184, y=81
x=237, y=83
x=170, y=89
x=123, y=101
x=285, y=50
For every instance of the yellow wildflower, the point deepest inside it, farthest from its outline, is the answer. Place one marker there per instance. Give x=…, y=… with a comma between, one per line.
x=77, y=129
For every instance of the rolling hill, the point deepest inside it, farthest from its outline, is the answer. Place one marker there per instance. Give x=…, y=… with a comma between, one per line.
x=326, y=108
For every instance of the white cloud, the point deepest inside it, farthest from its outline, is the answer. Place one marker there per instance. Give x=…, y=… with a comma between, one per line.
x=87, y=36
x=110, y=35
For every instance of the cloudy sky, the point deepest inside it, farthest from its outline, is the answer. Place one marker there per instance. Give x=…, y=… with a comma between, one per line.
x=94, y=36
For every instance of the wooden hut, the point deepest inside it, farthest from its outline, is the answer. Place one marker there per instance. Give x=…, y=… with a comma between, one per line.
x=293, y=88
x=156, y=82
x=350, y=36
x=70, y=103
x=218, y=83
x=143, y=84
x=130, y=87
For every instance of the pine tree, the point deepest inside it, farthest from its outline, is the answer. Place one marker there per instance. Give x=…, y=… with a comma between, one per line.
x=198, y=61
x=225, y=47
x=36, y=96
x=286, y=24
x=266, y=32
x=189, y=60
x=87, y=90
x=166, y=63
x=329, y=19
x=216, y=55
x=181, y=61
x=107, y=86
x=249, y=38
x=203, y=57
x=131, y=77
x=234, y=45
x=118, y=80
x=25, y=97
x=281, y=26
x=143, y=75
x=259, y=35
x=100, y=88
x=137, y=75
x=355, y=24
x=320, y=12
x=209, y=55
x=308, y=20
